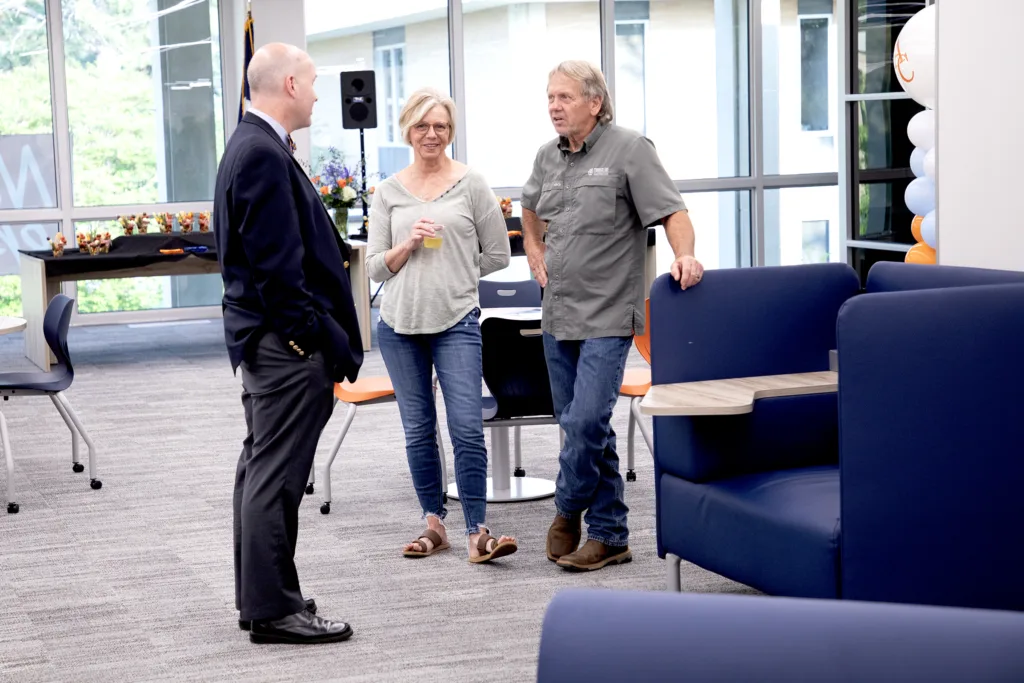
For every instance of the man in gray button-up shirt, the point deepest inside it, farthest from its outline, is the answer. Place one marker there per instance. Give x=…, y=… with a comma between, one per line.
x=593, y=193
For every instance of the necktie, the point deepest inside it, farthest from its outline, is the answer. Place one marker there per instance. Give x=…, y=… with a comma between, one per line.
x=291, y=143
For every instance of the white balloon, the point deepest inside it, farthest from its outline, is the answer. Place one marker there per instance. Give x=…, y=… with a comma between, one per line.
x=921, y=129
x=928, y=229
x=929, y=164
x=913, y=58
x=917, y=162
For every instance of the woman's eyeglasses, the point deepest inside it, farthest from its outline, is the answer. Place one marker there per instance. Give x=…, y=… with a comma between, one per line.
x=439, y=128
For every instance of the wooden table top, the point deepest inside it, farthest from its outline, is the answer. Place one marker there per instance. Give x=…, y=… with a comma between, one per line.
x=10, y=324
x=732, y=396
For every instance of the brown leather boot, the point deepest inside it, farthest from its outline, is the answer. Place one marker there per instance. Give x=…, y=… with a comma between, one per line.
x=595, y=555
x=564, y=536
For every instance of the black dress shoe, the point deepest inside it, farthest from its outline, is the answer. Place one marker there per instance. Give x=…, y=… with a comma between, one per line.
x=310, y=605
x=302, y=628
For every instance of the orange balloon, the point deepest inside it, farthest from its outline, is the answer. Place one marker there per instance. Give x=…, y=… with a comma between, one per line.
x=915, y=228
x=920, y=253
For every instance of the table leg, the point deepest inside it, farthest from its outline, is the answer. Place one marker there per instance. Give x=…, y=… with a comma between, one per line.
x=361, y=295
x=36, y=293
x=501, y=486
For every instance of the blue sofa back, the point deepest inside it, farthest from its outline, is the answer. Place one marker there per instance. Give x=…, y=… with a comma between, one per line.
x=931, y=404
x=740, y=323
x=897, y=277
x=614, y=636
x=746, y=322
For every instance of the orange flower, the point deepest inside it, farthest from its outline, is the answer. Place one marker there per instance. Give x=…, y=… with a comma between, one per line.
x=324, y=190
x=316, y=179
x=341, y=182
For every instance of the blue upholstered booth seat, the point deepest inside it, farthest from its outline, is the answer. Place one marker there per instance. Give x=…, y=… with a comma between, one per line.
x=903, y=277
x=618, y=636
x=776, y=531
x=926, y=429
x=754, y=497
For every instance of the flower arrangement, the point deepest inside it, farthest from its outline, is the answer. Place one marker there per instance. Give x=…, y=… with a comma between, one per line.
x=57, y=244
x=128, y=224
x=164, y=221
x=204, y=221
x=142, y=223
x=339, y=186
x=185, y=221
x=506, y=206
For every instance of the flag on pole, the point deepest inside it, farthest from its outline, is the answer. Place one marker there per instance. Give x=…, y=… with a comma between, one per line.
x=250, y=47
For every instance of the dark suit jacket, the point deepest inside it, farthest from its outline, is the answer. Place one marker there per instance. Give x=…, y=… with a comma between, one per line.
x=283, y=263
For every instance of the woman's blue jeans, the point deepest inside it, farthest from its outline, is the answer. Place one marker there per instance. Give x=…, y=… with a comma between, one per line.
x=456, y=354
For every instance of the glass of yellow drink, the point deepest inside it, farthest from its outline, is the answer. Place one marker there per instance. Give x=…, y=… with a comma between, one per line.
x=435, y=241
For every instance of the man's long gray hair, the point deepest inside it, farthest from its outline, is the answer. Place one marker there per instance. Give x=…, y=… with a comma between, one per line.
x=592, y=84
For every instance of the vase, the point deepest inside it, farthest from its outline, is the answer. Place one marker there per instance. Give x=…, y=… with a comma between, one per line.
x=341, y=221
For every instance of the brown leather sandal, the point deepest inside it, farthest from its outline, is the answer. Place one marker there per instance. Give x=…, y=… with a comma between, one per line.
x=433, y=537
x=499, y=549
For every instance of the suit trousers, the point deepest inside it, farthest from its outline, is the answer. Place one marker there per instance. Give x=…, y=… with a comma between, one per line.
x=288, y=400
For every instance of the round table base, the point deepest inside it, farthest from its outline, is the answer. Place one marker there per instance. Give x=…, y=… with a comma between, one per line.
x=521, y=489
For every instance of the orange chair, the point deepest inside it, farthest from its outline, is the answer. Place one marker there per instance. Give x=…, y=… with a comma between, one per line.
x=635, y=384
x=365, y=391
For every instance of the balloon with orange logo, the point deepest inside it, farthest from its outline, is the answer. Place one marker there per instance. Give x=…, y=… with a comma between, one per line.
x=915, y=228
x=920, y=253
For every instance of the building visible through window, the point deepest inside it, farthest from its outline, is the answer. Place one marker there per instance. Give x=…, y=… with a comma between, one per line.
x=389, y=56
x=814, y=90
x=632, y=20
x=815, y=242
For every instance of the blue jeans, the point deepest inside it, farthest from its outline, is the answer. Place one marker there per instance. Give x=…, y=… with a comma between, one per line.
x=456, y=353
x=585, y=380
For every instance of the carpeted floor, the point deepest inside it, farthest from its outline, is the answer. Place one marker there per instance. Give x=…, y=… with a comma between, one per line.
x=134, y=582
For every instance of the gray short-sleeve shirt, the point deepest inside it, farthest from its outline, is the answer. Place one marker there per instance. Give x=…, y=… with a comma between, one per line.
x=597, y=204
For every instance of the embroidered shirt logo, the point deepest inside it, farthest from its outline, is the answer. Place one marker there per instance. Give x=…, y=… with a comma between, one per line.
x=597, y=171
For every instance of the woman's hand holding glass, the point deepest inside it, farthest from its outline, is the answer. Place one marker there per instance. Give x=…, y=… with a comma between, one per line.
x=422, y=229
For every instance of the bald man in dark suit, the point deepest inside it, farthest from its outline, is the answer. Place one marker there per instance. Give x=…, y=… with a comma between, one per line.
x=290, y=324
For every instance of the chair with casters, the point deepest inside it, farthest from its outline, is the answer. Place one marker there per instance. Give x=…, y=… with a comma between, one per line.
x=51, y=384
x=521, y=294
x=636, y=382
x=365, y=391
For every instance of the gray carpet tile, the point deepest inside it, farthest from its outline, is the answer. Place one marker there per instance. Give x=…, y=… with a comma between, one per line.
x=134, y=582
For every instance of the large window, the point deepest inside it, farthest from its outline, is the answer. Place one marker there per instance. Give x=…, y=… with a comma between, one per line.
x=144, y=100
x=876, y=24
x=684, y=76
x=681, y=78
x=133, y=119
x=405, y=43
x=632, y=20
x=802, y=226
x=27, y=168
x=721, y=222
x=800, y=86
x=878, y=111
x=510, y=48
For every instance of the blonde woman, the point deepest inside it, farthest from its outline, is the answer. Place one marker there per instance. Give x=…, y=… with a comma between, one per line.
x=435, y=229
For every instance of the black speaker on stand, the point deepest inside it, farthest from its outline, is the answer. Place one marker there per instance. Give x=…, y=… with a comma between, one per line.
x=359, y=110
